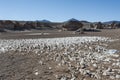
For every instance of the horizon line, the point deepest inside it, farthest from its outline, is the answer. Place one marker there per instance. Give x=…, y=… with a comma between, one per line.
x=55, y=21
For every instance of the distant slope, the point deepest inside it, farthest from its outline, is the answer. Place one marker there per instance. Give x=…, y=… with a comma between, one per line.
x=44, y=21
x=110, y=22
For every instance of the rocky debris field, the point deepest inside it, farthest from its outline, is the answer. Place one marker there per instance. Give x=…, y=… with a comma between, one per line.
x=68, y=58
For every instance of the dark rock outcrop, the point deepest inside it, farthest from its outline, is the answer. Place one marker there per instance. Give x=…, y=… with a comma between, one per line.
x=98, y=25
x=72, y=25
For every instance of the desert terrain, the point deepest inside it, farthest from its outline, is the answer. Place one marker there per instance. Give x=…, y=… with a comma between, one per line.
x=60, y=55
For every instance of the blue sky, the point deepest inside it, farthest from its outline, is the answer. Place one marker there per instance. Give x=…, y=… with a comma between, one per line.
x=60, y=10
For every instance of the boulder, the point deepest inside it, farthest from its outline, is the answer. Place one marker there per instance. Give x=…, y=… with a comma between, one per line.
x=72, y=25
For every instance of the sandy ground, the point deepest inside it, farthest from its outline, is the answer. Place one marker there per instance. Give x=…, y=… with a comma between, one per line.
x=14, y=66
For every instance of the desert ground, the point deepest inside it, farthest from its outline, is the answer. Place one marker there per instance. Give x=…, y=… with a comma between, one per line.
x=88, y=56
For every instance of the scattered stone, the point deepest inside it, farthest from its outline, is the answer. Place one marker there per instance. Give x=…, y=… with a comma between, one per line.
x=50, y=68
x=36, y=73
x=72, y=56
x=117, y=76
x=112, y=77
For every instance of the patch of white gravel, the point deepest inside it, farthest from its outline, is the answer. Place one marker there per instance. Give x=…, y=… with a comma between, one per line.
x=14, y=44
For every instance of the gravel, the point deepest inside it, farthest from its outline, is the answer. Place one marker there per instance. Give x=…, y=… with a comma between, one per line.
x=69, y=58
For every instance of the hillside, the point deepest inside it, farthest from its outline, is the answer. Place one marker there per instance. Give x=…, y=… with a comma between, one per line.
x=48, y=25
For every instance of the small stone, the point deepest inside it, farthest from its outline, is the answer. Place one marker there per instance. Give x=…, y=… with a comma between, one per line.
x=41, y=62
x=118, y=76
x=97, y=76
x=95, y=65
x=116, y=55
x=112, y=77
x=72, y=78
x=57, y=76
x=68, y=76
x=36, y=73
x=81, y=71
x=109, y=69
x=104, y=73
x=50, y=68
x=92, y=68
x=83, y=66
x=63, y=78
x=118, y=63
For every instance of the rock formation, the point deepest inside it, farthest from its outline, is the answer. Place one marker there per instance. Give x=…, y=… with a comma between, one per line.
x=72, y=25
x=98, y=25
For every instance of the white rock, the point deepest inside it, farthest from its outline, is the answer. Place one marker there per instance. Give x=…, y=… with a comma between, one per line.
x=112, y=77
x=118, y=76
x=2, y=50
x=36, y=73
x=111, y=51
x=50, y=68
x=63, y=78
x=116, y=55
x=104, y=73
x=72, y=78
x=95, y=65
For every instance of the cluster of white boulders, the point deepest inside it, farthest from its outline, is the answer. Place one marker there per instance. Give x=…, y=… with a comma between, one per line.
x=53, y=43
x=81, y=56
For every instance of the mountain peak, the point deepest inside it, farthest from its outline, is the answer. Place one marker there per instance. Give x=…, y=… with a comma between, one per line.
x=73, y=19
x=44, y=20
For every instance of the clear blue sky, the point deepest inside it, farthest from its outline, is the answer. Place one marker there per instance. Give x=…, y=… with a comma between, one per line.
x=60, y=10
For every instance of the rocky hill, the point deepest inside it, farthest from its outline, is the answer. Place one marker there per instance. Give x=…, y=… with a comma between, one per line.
x=71, y=24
